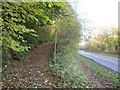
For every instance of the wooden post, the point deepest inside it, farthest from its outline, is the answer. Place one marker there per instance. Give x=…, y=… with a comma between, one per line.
x=55, y=46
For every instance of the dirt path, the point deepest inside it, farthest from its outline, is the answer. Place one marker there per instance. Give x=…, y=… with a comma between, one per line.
x=33, y=72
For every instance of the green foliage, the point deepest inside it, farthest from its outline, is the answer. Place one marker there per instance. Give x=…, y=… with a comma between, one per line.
x=26, y=24
x=68, y=68
x=103, y=72
x=46, y=34
x=104, y=41
x=6, y=58
x=68, y=36
x=23, y=23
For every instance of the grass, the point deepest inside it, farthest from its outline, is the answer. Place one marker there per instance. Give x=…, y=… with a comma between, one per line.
x=101, y=71
x=69, y=70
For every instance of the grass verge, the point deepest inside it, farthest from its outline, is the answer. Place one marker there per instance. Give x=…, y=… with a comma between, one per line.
x=101, y=71
x=70, y=71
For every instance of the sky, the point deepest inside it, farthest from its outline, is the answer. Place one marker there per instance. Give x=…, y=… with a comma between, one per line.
x=97, y=13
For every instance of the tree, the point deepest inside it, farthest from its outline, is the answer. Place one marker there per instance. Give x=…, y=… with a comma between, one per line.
x=21, y=23
x=104, y=41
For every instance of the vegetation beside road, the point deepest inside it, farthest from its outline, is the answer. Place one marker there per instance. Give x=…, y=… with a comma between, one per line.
x=101, y=71
x=26, y=25
x=70, y=72
x=105, y=41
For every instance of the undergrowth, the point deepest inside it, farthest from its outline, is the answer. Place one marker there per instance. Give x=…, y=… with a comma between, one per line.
x=66, y=67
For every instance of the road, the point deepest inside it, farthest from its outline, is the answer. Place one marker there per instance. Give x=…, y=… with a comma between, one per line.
x=110, y=62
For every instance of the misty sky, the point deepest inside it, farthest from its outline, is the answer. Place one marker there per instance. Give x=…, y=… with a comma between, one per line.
x=97, y=13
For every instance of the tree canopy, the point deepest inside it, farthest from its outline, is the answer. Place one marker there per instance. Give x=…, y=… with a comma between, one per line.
x=24, y=25
x=104, y=41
